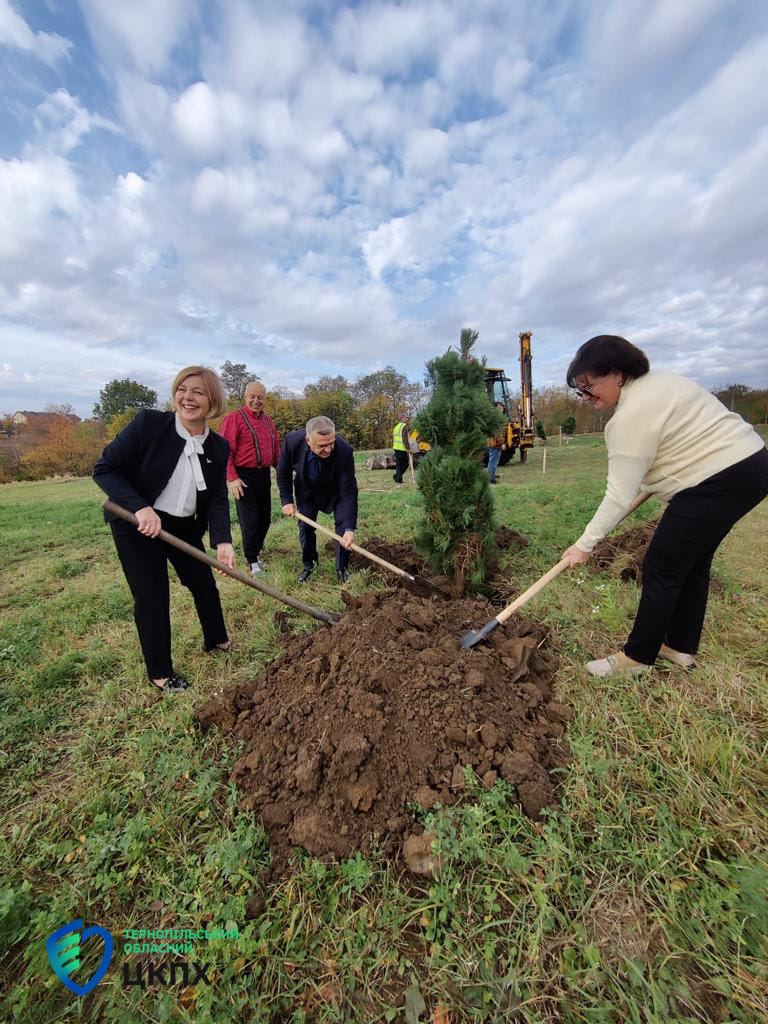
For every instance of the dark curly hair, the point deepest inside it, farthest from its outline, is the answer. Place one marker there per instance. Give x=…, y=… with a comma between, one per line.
x=604, y=353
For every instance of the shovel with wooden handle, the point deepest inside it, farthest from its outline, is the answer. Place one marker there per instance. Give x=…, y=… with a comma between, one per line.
x=367, y=554
x=475, y=636
x=330, y=617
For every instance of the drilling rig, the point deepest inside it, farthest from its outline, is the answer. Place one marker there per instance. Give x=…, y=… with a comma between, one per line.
x=520, y=428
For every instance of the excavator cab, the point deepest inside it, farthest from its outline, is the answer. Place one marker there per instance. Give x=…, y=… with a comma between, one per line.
x=496, y=382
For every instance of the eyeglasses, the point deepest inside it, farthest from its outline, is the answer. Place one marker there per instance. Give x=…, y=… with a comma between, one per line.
x=585, y=391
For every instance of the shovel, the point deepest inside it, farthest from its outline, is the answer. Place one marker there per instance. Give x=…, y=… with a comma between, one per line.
x=476, y=635
x=330, y=617
x=368, y=554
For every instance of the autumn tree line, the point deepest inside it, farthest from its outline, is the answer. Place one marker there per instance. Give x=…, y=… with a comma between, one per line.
x=364, y=411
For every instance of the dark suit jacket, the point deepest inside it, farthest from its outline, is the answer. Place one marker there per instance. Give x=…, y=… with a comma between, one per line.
x=136, y=466
x=335, y=490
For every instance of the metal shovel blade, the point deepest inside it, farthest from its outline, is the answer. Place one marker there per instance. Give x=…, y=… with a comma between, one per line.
x=475, y=636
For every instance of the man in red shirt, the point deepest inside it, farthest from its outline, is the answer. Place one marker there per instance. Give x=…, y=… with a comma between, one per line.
x=254, y=447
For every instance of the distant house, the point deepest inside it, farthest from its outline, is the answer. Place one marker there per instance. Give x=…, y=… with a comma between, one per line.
x=40, y=419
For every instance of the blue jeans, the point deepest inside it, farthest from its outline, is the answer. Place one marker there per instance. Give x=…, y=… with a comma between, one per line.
x=494, y=454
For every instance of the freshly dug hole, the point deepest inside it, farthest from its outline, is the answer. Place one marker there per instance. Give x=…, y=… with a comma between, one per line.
x=404, y=556
x=353, y=724
x=622, y=555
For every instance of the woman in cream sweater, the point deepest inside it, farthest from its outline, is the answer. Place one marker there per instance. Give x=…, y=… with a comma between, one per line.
x=674, y=440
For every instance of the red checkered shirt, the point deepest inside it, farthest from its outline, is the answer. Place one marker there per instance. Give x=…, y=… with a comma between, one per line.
x=242, y=451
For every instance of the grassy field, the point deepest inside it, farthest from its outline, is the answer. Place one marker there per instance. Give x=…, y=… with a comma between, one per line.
x=642, y=898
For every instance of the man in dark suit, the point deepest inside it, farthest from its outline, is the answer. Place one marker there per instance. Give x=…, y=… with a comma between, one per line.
x=321, y=468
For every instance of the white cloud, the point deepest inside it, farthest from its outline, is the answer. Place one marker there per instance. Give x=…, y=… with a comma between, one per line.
x=385, y=39
x=258, y=51
x=348, y=188
x=144, y=108
x=426, y=150
x=197, y=120
x=660, y=32
x=139, y=34
x=33, y=196
x=14, y=31
x=62, y=122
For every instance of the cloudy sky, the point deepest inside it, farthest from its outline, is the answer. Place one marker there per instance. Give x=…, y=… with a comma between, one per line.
x=319, y=187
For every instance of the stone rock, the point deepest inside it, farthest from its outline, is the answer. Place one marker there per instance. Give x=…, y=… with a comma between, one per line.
x=418, y=854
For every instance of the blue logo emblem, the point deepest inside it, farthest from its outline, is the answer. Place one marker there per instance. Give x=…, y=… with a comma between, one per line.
x=63, y=948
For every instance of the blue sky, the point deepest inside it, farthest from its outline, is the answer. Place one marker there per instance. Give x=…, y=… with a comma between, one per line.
x=316, y=188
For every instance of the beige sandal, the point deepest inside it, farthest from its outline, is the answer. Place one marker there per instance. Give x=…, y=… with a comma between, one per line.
x=610, y=666
x=678, y=657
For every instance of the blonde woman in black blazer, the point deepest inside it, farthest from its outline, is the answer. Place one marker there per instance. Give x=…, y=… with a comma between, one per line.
x=169, y=469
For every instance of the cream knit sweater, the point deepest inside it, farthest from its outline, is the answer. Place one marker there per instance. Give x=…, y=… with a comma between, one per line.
x=666, y=434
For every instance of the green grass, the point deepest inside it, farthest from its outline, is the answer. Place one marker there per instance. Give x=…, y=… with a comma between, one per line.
x=642, y=898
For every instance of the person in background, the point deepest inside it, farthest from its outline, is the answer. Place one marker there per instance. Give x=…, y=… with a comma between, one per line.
x=671, y=438
x=169, y=469
x=321, y=467
x=401, y=447
x=254, y=447
x=496, y=445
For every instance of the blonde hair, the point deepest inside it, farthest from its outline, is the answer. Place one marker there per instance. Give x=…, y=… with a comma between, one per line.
x=212, y=386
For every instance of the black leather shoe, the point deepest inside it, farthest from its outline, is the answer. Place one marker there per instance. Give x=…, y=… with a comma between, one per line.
x=343, y=575
x=305, y=573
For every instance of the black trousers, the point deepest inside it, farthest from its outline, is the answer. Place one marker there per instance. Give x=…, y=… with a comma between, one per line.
x=308, y=537
x=676, y=569
x=401, y=465
x=145, y=564
x=254, y=509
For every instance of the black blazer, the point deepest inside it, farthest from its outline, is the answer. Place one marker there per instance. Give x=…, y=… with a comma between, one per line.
x=136, y=466
x=335, y=490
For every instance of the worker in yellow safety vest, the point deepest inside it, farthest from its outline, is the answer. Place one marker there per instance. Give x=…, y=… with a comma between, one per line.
x=401, y=448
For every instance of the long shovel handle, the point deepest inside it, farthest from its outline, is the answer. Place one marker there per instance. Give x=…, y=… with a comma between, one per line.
x=354, y=547
x=202, y=556
x=475, y=636
x=533, y=590
x=555, y=571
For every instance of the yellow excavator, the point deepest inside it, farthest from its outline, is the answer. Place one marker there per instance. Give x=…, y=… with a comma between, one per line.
x=520, y=428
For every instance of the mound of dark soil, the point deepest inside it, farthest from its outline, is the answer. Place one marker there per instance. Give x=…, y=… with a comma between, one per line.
x=507, y=538
x=400, y=554
x=403, y=555
x=354, y=724
x=622, y=555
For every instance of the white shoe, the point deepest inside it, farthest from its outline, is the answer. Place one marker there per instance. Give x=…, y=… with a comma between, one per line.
x=614, y=664
x=256, y=568
x=677, y=657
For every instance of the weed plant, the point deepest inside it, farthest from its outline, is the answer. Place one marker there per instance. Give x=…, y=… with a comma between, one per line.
x=642, y=898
